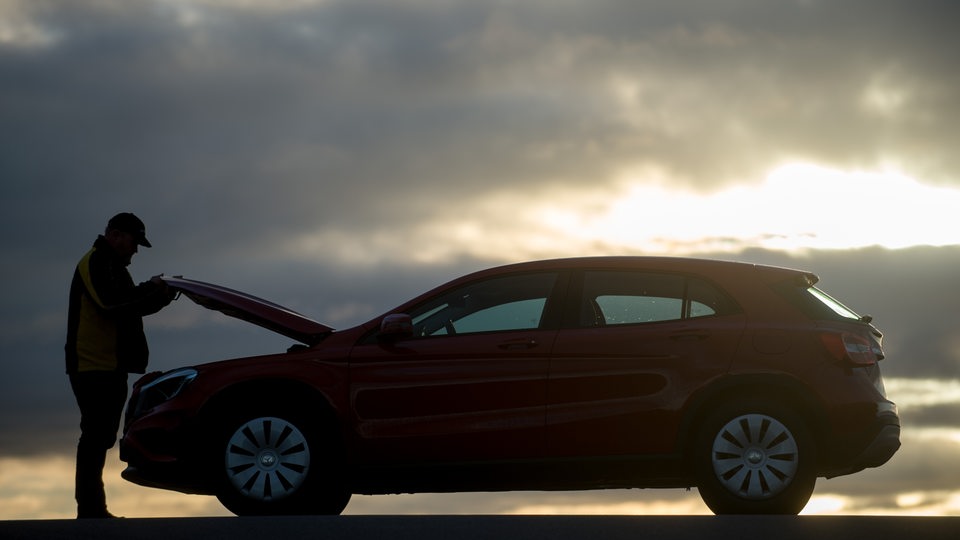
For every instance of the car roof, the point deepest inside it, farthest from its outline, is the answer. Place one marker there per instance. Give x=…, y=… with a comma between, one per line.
x=744, y=273
x=674, y=264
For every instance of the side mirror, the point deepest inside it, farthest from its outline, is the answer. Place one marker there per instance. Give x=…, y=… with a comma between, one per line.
x=396, y=326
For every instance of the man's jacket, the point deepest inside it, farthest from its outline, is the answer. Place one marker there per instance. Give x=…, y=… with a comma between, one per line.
x=104, y=322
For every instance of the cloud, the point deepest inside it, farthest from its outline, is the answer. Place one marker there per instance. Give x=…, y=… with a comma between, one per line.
x=504, y=94
x=243, y=106
x=242, y=124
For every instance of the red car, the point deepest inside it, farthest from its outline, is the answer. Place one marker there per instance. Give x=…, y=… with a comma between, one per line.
x=745, y=381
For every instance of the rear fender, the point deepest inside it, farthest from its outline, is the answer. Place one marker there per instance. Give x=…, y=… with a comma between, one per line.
x=777, y=388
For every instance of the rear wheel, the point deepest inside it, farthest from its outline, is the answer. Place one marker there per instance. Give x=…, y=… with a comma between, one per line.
x=274, y=464
x=755, y=458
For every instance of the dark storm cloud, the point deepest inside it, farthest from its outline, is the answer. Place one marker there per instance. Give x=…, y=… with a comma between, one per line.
x=242, y=112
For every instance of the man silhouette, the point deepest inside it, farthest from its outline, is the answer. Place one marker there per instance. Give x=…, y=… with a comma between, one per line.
x=105, y=342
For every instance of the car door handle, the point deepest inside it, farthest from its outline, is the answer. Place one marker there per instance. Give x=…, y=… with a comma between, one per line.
x=518, y=344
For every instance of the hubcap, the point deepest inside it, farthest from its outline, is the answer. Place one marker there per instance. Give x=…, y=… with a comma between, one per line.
x=267, y=458
x=755, y=456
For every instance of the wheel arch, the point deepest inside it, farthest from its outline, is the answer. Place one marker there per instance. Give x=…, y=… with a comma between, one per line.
x=780, y=389
x=268, y=392
x=308, y=402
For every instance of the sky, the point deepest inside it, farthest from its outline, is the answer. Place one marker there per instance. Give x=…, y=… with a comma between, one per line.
x=340, y=157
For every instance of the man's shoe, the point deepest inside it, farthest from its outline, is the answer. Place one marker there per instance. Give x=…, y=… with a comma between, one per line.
x=102, y=514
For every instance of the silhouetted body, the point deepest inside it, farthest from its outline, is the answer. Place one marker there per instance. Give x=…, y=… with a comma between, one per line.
x=105, y=342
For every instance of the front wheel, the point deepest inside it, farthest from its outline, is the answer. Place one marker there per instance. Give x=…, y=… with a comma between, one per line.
x=275, y=464
x=755, y=458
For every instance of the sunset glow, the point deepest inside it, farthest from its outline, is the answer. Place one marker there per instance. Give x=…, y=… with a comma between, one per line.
x=797, y=207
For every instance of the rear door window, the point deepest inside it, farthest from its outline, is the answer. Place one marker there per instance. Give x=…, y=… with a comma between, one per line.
x=626, y=297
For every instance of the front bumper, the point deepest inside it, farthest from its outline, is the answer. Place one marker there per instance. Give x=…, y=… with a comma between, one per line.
x=163, y=477
x=163, y=451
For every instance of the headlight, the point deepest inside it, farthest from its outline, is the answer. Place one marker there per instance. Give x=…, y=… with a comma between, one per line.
x=163, y=389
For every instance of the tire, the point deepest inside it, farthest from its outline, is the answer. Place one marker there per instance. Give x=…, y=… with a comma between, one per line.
x=276, y=464
x=755, y=457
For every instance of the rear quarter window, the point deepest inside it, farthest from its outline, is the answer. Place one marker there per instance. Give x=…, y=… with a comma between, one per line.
x=814, y=302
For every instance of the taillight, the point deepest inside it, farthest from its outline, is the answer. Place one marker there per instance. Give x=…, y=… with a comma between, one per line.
x=851, y=348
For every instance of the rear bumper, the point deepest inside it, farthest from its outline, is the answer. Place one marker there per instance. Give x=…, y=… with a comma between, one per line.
x=882, y=443
x=883, y=447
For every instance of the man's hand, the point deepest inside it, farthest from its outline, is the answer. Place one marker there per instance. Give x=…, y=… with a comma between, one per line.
x=170, y=293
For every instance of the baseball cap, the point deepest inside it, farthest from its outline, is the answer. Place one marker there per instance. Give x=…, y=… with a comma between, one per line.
x=130, y=223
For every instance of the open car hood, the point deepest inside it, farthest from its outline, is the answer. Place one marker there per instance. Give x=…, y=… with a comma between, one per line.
x=251, y=309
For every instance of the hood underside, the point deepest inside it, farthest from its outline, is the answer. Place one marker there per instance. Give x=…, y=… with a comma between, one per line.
x=249, y=308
